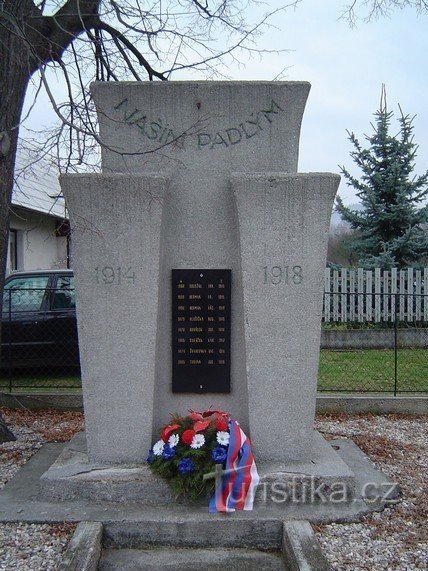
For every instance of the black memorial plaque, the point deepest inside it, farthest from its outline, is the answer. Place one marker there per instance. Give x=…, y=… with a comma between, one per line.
x=201, y=331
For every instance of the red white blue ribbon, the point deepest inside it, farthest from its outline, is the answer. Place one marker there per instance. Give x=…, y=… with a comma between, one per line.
x=240, y=478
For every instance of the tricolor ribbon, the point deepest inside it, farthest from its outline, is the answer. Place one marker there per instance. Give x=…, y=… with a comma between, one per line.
x=239, y=479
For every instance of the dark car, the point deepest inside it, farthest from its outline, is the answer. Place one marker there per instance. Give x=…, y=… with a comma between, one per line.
x=39, y=320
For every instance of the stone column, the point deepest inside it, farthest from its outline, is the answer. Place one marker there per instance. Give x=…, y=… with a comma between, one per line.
x=283, y=230
x=116, y=226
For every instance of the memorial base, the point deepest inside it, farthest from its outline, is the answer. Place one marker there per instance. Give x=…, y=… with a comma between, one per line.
x=334, y=477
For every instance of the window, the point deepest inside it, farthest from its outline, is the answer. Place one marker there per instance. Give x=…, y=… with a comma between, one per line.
x=24, y=294
x=13, y=251
x=64, y=295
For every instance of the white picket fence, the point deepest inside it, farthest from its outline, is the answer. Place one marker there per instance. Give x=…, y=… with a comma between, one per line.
x=376, y=295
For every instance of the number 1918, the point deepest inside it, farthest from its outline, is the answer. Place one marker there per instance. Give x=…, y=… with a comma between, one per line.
x=283, y=275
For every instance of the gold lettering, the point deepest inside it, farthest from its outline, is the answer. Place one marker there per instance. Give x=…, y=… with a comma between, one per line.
x=181, y=296
x=181, y=318
x=195, y=297
x=181, y=362
x=181, y=329
x=195, y=361
x=181, y=308
x=201, y=351
x=196, y=318
x=195, y=308
x=196, y=340
x=181, y=340
x=195, y=330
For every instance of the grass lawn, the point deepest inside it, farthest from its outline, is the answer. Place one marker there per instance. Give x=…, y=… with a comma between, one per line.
x=365, y=370
x=372, y=370
x=41, y=382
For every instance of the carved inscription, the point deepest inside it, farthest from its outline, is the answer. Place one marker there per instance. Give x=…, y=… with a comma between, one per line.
x=201, y=330
x=286, y=275
x=154, y=130
x=248, y=129
x=160, y=132
x=109, y=275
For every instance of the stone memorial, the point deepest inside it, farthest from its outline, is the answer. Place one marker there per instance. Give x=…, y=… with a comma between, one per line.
x=199, y=255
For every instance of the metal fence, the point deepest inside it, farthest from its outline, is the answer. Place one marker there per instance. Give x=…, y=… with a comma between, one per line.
x=386, y=354
x=39, y=342
x=39, y=349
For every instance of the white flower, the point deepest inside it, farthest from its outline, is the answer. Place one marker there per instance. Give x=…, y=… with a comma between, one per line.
x=158, y=448
x=223, y=437
x=173, y=440
x=197, y=441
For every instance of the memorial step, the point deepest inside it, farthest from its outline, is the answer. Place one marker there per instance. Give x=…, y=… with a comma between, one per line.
x=173, y=559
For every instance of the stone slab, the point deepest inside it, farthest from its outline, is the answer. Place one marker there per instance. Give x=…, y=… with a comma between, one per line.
x=42, y=400
x=84, y=550
x=283, y=222
x=179, y=524
x=379, y=404
x=201, y=126
x=176, y=559
x=320, y=478
x=73, y=477
x=301, y=548
x=116, y=223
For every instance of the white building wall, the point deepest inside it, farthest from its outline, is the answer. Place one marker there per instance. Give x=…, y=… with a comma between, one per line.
x=38, y=247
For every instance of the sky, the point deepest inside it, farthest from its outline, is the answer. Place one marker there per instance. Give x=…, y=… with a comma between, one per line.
x=346, y=68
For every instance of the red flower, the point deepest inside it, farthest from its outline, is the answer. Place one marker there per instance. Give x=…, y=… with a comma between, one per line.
x=221, y=424
x=187, y=436
x=201, y=415
x=201, y=425
x=166, y=432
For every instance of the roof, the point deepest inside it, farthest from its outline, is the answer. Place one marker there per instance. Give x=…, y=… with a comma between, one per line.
x=36, y=184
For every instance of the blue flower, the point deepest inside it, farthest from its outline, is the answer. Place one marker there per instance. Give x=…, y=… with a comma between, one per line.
x=219, y=454
x=150, y=457
x=186, y=466
x=168, y=452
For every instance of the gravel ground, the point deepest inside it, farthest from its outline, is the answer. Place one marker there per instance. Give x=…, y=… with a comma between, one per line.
x=396, y=538
x=392, y=540
x=31, y=547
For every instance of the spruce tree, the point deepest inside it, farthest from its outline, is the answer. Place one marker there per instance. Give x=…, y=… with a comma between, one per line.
x=391, y=229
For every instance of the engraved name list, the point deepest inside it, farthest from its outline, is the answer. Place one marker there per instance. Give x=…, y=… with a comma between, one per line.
x=201, y=330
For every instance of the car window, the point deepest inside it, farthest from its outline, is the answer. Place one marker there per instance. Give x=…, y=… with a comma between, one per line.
x=24, y=294
x=64, y=294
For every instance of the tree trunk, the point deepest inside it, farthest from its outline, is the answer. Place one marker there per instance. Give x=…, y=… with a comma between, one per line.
x=15, y=73
x=16, y=67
